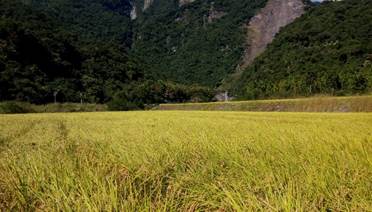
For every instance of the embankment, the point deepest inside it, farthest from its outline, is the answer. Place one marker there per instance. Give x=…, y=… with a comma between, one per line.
x=313, y=104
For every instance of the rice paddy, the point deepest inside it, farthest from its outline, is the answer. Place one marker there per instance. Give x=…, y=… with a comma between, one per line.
x=186, y=161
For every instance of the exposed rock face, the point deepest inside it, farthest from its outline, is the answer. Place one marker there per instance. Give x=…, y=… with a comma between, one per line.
x=263, y=27
x=147, y=4
x=183, y=2
x=133, y=13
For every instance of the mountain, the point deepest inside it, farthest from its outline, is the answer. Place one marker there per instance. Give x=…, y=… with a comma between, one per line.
x=326, y=51
x=106, y=20
x=152, y=51
x=205, y=41
x=55, y=48
x=193, y=42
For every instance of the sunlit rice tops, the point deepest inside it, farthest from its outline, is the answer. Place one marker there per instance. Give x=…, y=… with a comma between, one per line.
x=186, y=161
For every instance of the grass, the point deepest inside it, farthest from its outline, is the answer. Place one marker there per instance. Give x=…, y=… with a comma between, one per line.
x=314, y=104
x=24, y=107
x=186, y=161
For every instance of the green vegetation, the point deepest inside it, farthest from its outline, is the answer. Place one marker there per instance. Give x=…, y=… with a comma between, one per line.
x=146, y=94
x=41, y=55
x=56, y=49
x=326, y=51
x=314, y=104
x=16, y=107
x=187, y=161
x=24, y=107
x=89, y=20
x=198, y=43
x=90, y=50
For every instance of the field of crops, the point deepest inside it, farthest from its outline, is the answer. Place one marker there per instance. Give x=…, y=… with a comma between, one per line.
x=186, y=161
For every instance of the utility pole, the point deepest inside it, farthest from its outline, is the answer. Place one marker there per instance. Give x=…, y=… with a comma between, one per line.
x=55, y=96
x=81, y=98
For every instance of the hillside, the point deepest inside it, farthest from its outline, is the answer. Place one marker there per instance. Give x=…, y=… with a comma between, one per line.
x=328, y=50
x=72, y=51
x=204, y=41
x=200, y=42
x=134, y=53
x=44, y=52
x=106, y=20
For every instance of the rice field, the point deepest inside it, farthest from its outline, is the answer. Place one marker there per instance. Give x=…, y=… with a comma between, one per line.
x=186, y=161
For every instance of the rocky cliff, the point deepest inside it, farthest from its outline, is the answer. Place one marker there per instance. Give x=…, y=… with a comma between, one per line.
x=147, y=4
x=263, y=27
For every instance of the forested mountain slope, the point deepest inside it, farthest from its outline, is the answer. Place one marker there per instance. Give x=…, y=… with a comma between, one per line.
x=106, y=20
x=200, y=42
x=328, y=50
x=45, y=50
x=86, y=48
x=77, y=50
x=152, y=51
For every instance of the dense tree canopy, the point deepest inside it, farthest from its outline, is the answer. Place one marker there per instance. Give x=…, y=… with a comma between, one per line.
x=69, y=49
x=41, y=56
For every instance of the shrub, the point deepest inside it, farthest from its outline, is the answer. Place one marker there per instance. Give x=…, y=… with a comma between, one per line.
x=16, y=107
